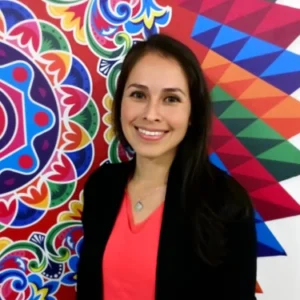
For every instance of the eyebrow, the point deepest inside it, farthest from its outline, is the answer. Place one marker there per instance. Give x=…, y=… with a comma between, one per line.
x=144, y=87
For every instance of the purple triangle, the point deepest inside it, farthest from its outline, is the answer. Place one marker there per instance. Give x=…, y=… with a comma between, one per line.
x=257, y=65
x=231, y=50
x=207, y=38
x=192, y=5
x=264, y=250
x=287, y=82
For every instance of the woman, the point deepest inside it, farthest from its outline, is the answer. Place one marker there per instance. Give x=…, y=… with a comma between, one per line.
x=172, y=225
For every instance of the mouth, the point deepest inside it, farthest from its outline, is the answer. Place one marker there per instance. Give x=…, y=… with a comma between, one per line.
x=151, y=134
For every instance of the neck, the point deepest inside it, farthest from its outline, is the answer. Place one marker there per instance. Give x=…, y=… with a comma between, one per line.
x=152, y=172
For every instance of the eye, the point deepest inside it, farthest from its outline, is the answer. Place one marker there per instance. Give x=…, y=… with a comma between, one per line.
x=137, y=94
x=172, y=99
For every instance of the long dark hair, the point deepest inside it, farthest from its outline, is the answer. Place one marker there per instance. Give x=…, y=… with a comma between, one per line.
x=192, y=154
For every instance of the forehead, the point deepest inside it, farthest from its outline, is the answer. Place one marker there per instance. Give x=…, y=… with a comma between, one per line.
x=156, y=69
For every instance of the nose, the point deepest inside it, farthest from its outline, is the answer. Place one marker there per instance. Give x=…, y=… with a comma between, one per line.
x=152, y=111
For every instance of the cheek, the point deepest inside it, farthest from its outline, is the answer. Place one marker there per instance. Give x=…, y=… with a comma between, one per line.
x=128, y=113
x=180, y=122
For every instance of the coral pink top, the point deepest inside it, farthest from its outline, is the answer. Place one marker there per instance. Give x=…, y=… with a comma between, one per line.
x=129, y=260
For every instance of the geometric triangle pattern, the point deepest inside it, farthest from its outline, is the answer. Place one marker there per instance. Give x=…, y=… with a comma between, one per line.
x=257, y=18
x=252, y=77
x=272, y=63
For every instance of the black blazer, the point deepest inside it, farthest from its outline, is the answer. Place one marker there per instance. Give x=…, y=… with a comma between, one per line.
x=180, y=273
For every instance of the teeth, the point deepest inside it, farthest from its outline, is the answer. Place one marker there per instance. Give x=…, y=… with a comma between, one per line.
x=152, y=133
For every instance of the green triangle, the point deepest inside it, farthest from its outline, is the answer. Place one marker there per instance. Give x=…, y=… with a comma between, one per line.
x=237, y=125
x=259, y=145
x=220, y=107
x=237, y=111
x=259, y=129
x=218, y=95
x=281, y=170
x=284, y=152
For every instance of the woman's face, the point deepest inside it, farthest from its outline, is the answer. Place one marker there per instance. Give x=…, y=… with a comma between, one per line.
x=156, y=106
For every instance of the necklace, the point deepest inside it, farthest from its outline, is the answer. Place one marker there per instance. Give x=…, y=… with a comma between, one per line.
x=139, y=206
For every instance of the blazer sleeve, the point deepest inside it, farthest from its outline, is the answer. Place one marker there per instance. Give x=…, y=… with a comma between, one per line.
x=84, y=270
x=241, y=269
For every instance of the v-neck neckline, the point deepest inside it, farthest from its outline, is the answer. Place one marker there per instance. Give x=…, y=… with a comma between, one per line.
x=137, y=227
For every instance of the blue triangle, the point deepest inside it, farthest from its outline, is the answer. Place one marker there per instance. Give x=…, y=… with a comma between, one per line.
x=266, y=251
x=207, y=38
x=203, y=24
x=287, y=62
x=265, y=237
x=229, y=51
x=256, y=47
x=215, y=160
x=228, y=35
x=258, y=64
x=287, y=82
x=258, y=217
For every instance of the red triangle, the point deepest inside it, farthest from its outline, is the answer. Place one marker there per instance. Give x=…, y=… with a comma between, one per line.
x=199, y=50
x=278, y=16
x=249, y=22
x=270, y=211
x=236, y=88
x=219, y=129
x=284, y=126
x=282, y=36
x=218, y=141
x=254, y=168
x=217, y=12
x=215, y=73
x=277, y=195
x=250, y=183
x=210, y=83
x=191, y=5
x=207, y=5
x=260, y=106
x=232, y=160
x=239, y=11
x=236, y=148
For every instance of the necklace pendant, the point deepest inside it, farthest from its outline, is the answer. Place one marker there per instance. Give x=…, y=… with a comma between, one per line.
x=138, y=206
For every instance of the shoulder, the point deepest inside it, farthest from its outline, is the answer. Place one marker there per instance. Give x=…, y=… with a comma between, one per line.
x=105, y=173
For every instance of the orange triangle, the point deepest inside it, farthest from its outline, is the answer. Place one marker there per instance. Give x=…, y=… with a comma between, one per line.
x=236, y=88
x=287, y=127
x=289, y=108
x=261, y=89
x=215, y=73
x=236, y=73
x=260, y=106
x=212, y=59
x=258, y=289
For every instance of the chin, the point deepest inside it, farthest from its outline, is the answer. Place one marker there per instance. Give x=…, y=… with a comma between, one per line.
x=154, y=153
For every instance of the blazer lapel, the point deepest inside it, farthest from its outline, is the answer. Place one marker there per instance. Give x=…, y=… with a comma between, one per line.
x=170, y=262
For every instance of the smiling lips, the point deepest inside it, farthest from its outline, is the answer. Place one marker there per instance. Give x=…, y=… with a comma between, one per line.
x=151, y=135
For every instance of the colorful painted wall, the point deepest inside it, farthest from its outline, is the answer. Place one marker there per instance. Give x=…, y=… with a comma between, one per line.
x=59, y=61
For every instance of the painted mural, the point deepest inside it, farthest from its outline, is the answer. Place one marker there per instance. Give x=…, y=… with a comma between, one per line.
x=59, y=62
